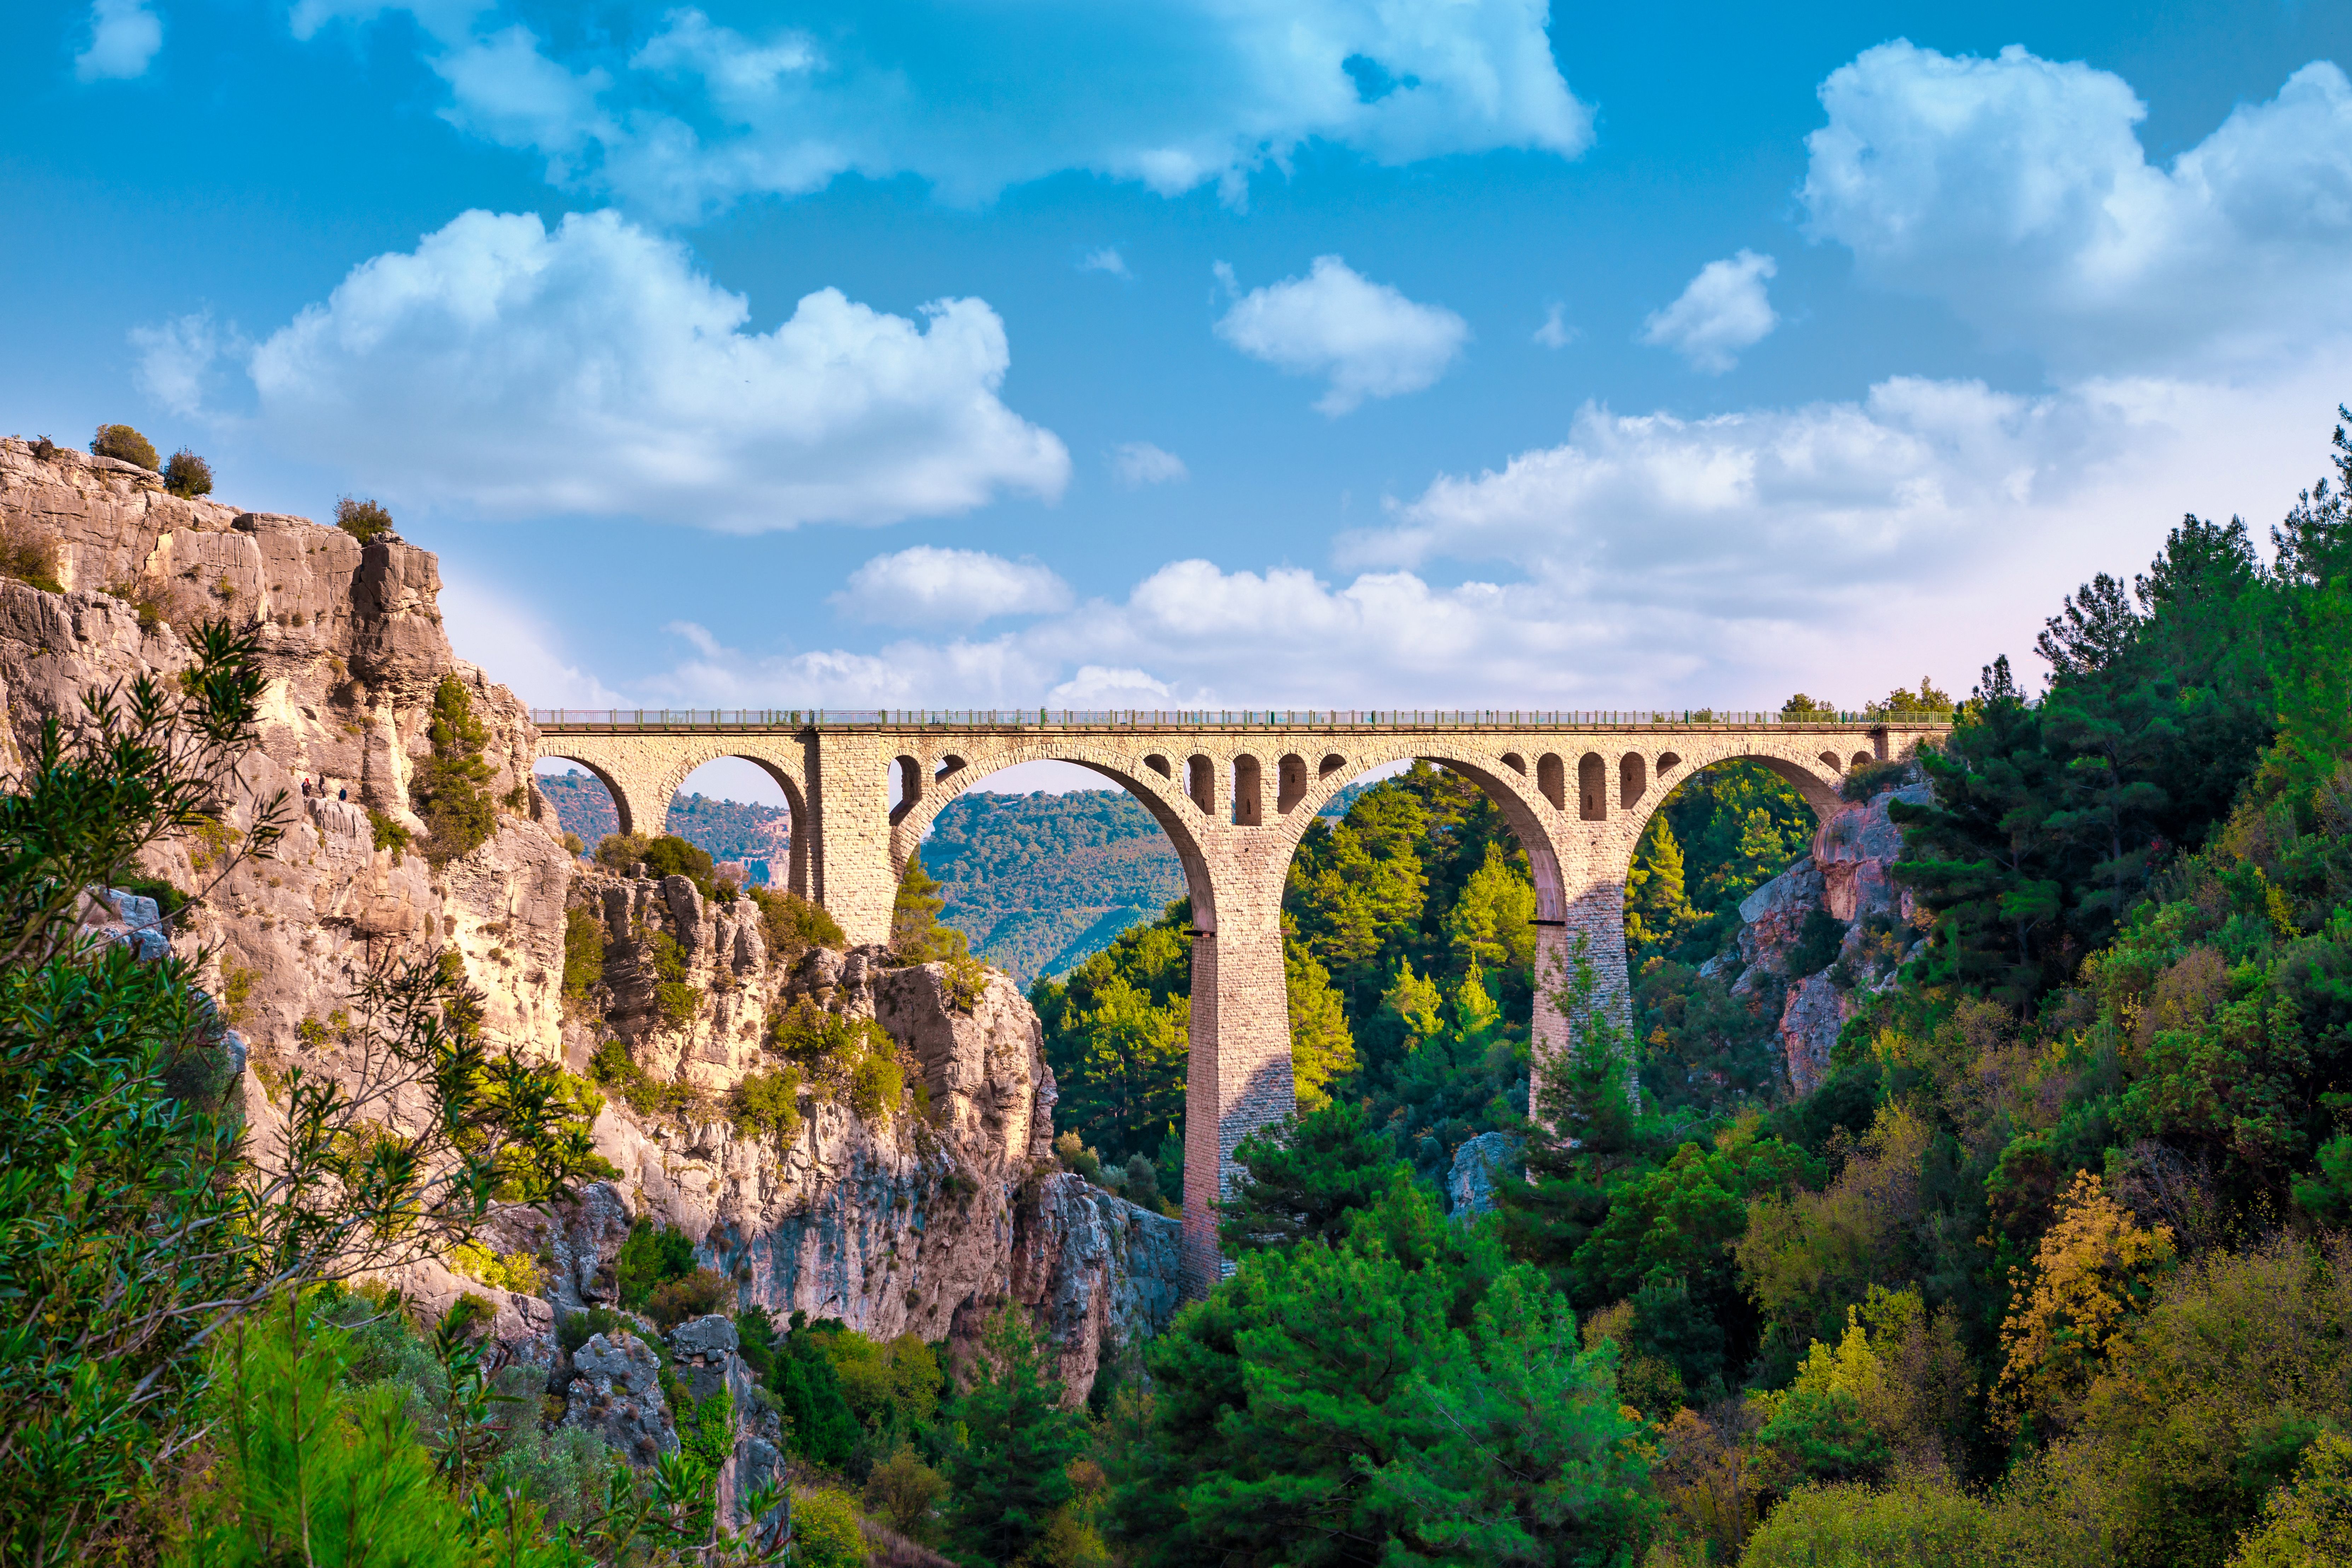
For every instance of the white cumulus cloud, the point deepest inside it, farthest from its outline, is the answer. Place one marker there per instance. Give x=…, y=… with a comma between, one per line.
x=931, y=586
x=2016, y=190
x=679, y=114
x=124, y=38
x=1366, y=337
x=1723, y=311
x=1555, y=333
x=591, y=370
x=1107, y=259
x=1138, y=463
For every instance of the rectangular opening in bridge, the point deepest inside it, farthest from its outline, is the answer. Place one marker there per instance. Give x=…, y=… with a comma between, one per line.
x=1592, y=788
x=1202, y=784
x=1291, y=783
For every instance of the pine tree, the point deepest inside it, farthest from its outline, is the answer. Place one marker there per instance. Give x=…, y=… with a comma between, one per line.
x=1008, y=1468
x=1658, y=911
x=1306, y=1178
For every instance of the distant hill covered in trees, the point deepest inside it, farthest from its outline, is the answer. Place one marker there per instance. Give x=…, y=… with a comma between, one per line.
x=727, y=829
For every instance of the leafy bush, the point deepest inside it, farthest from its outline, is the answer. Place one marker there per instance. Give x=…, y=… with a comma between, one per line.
x=121, y=441
x=825, y=1534
x=580, y=1327
x=363, y=520
x=769, y=1102
x=460, y=815
x=1072, y=1150
x=168, y=899
x=651, y=1256
x=188, y=476
x=905, y=1491
x=30, y=556
x=699, y=1293
x=518, y=1271
x=620, y=852
x=44, y=449
x=794, y=924
x=876, y=1084
x=677, y=1001
x=1874, y=778
x=1857, y=1526
x=613, y=1068
x=2309, y=1523
x=389, y=834
x=584, y=953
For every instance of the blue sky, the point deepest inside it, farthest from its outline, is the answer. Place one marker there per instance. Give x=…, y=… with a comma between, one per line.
x=1184, y=351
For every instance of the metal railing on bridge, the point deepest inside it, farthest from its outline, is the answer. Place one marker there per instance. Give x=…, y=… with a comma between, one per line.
x=622, y=718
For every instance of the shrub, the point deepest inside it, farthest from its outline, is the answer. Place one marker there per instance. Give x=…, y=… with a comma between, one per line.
x=699, y=1294
x=571, y=842
x=770, y=1102
x=1856, y=1526
x=44, y=449
x=168, y=899
x=121, y=441
x=389, y=834
x=518, y=1271
x=650, y=1258
x=584, y=953
x=30, y=557
x=1872, y=778
x=363, y=520
x=905, y=1490
x=670, y=856
x=875, y=1085
x=187, y=475
x=580, y=1327
x=613, y=1068
x=1072, y=1150
x=794, y=924
x=677, y=1001
x=620, y=851
x=825, y=1530
x=2309, y=1523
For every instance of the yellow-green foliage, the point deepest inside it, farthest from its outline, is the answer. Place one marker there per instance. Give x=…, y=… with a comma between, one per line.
x=1321, y=1045
x=363, y=520
x=516, y=1271
x=584, y=953
x=616, y=1070
x=794, y=924
x=899, y=1380
x=2308, y=1524
x=824, y=1530
x=677, y=1001
x=770, y=1101
x=237, y=990
x=1910, y=1523
x=967, y=981
x=390, y=835
x=123, y=442
x=2094, y=1268
x=905, y=1490
x=30, y=556
x=214, y=840
x=620, y=851
x=842, y=1056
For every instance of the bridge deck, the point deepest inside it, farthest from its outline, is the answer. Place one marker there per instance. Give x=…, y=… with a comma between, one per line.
x=577, y=720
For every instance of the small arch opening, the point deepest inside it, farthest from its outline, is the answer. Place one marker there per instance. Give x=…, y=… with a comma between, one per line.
x=1249, y=809
x=1830, y=760
x=584, y=805
x=1592, y=788
x=1515, y=762
x=1201, y=786
x=1330, y=765
x=1667, y=762
x=1290, y=782
x=1863, y=759
x=906, y=777
x=1632, y=778
x=948, y=764
x=1551, y=779
x=1159, y=764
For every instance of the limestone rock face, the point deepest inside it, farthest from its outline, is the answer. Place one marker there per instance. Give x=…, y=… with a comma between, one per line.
x=615, y=1391
x=902, y=1220
x=353, y=647
x=1853, y=849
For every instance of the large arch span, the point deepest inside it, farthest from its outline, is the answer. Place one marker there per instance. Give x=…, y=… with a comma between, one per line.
x=1235, y=795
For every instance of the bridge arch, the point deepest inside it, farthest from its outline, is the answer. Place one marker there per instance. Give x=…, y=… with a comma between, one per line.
x=913, y=818
x=624, y=808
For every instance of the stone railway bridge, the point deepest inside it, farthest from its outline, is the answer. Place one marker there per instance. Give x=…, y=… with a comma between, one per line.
x=1235, y=792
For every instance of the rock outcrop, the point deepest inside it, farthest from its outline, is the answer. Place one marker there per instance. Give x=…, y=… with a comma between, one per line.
x=1846, y=879
x=919, y=1216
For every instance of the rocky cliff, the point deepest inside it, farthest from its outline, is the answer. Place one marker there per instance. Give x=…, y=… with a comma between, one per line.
x=916, y=1214
x=1832, y=925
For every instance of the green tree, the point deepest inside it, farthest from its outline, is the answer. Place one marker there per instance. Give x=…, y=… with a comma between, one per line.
x=453, y=783
x=1009, y=1467
x=1658, y=911
x=916, y=934
x=1321, y=1048
x=1306, y=1178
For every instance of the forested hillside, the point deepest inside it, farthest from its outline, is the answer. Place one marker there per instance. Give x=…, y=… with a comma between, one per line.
x=724, y=830
x=2047, y=1271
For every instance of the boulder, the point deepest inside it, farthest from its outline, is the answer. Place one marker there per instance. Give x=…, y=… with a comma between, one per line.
x=615, y=1391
